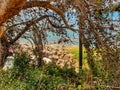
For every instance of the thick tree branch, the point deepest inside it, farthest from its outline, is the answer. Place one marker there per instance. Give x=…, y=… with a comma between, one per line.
x=46, y=4
x=9, y=8
x=28, y=25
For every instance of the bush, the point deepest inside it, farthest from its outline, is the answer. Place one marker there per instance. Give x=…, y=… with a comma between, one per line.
x=65, y=73
x=21, y=64
x=49, y=77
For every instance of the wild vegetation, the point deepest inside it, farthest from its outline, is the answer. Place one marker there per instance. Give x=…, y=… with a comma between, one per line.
x=95, y=24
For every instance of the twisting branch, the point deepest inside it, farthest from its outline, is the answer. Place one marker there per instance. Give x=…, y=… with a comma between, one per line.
x=13, y=7
x=46, y=4
x=55, y=26
x=28, y=25
x=47, y=17
x=9, y=8
x=81, y=8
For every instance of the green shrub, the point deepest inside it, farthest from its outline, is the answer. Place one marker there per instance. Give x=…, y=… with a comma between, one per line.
x=67, y=74
x=49, y=77
x=21, y=64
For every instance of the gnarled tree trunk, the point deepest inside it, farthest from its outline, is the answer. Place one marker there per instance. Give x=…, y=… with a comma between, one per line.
x=1, y=52
x=9, y=8
x=4, y=45
x=39, y=45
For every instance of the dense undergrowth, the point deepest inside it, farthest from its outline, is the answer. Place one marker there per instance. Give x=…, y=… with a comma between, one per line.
x=24, y=76
x=106, y=72
x=49, y=77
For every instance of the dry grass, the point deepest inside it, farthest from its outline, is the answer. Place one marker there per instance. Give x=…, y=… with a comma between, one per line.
x=75, y=51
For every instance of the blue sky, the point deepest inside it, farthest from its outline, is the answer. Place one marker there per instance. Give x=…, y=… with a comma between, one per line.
x=51, y=39
x=114, y=15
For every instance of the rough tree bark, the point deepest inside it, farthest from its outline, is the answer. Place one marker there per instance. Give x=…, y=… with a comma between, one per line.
x=9, y=8
x=37, y=39
x=4, y=45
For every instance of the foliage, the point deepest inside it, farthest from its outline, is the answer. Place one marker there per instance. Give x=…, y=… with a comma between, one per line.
x=52, y=77
x=106, y=70
x=21, y=64
x=75, y=51
x=96, y=31
x=49, y=77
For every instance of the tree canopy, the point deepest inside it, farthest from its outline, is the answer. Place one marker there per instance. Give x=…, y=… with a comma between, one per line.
x=95, y=27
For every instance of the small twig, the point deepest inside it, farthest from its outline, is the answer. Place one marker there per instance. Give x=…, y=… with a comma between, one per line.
x=110, y=87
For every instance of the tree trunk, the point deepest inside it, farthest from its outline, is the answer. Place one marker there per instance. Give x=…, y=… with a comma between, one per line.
x=80, y=51
x=9, y=8
x=3, y=44
x=40, y=50
x=40, y=55
x=37, y=39
x=3, y=51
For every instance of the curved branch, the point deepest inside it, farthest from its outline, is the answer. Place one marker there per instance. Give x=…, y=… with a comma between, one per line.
x=55, y=26
x=9, y=8
x=47, y=16
x=28, y=25
x=46, y=4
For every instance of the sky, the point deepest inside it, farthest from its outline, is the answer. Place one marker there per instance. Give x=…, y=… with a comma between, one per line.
x=52, y=39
